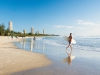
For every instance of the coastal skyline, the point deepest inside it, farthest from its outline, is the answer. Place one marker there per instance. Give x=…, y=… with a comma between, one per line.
x=61, y=17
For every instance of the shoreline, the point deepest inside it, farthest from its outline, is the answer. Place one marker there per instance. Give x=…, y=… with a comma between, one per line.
x=16, y=60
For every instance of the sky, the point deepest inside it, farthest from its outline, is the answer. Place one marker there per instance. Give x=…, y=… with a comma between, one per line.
x=60, y=17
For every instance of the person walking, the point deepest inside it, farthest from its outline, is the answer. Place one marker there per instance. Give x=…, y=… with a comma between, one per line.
x=69, y=40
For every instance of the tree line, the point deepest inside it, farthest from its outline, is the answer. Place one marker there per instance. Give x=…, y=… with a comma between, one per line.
x=7, y=32
x=3, y=31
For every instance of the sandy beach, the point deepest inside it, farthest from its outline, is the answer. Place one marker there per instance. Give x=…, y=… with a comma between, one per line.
x=13, y=59
x=83, y=60
x=46, y=58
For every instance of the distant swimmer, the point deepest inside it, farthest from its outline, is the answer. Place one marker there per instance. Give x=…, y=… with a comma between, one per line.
x=69, y=40
x=34, y=38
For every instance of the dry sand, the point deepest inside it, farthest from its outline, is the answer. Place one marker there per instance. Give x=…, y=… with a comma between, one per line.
x=13, y=59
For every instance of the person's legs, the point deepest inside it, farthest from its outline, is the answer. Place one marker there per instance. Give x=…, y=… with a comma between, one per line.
x=71, y=50
x=71, y=46
x=67, y=46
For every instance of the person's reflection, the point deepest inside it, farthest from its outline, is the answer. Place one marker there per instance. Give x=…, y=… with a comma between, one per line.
x=24, y=43
x=34, y=45
x=69, y=58
x=37, y=45
x=43, y=47
x=31, y=44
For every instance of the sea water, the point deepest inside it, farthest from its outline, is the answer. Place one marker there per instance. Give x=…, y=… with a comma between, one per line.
x=86, y=53
x=57, y=45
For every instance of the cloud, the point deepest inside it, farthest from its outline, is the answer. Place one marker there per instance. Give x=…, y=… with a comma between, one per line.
x=88, y=28
x=81, y=28
x=62, y=26
x=86, y=23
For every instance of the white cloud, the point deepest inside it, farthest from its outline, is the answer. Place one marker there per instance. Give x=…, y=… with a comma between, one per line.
x=81, y=28
x=89, y=28
x=86, y=23
x=62, y=26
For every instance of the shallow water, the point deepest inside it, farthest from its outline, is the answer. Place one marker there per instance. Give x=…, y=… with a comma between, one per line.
x=85, y=56
x=57, y=45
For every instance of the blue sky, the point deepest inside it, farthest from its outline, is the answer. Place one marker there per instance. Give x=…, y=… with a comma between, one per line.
x=80, y=17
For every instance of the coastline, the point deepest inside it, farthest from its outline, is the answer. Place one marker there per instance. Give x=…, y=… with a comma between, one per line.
x=14, y=59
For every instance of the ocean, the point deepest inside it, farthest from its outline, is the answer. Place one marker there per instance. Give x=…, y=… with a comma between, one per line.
x=85, y=56
x=57, y=44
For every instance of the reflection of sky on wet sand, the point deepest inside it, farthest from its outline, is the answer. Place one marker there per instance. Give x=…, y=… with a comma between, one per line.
x=40, y=47
x=81, y=62
x=75, y=62
x=32, y=45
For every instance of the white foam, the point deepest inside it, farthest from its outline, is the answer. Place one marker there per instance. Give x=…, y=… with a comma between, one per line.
x=39, y=38
x=88, y=37
x=52, y=42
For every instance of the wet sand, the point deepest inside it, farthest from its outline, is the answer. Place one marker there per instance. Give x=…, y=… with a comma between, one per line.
x=13, y=59
x=78, y=66
x=81, y=62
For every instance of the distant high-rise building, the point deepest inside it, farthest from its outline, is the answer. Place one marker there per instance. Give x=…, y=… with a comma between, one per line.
x=38, y=31
x=10, y=26
x=43, y=31
x=24, y=31
x=32, y=30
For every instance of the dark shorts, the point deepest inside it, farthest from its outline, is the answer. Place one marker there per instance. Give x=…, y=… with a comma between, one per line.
x=69, y=42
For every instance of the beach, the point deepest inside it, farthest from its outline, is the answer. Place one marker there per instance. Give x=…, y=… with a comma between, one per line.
x=13, y=59
x=48, y=56
x=84, y=60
